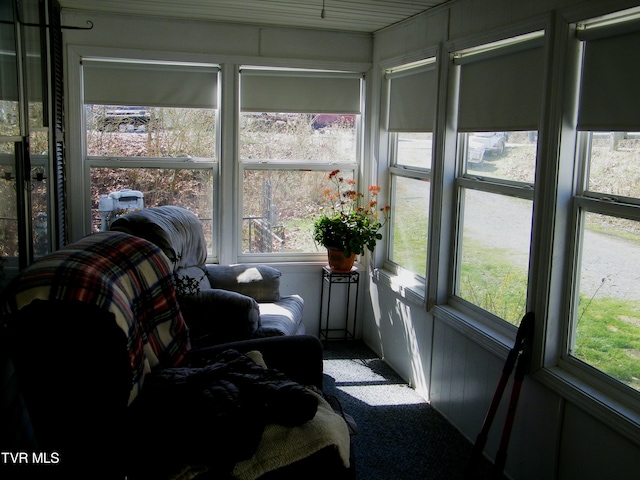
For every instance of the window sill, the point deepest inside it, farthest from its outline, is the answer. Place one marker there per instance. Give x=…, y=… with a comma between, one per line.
x=407, y=287
x=612, y=412
x=496, y=340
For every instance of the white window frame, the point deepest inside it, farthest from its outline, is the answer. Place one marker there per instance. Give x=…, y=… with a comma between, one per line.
x=493, y=327
x=79, y=176
x=244, y=165
x=163, y=163
x=600, y=395
x=349, y=168
x=414, y=173
x=413, y=285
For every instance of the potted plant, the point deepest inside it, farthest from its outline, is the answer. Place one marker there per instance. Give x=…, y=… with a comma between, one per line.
x=348, y=225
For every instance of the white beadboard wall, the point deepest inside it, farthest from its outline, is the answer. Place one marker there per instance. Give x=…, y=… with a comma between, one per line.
x=552, y=438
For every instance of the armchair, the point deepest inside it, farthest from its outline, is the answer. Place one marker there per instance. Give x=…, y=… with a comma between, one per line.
x=97, y=371
x=246, y=298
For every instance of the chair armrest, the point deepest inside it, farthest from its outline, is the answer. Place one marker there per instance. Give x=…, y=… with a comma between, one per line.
x=281, y=318
x=299, y=357
x=217, y=316
x=260, y=282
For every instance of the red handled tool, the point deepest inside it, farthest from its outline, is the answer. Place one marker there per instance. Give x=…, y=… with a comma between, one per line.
x=519, y=357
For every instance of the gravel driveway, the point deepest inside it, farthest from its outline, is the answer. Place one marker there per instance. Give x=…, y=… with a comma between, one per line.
x=613, y=267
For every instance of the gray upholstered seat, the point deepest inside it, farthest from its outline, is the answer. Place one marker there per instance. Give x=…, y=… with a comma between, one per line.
x=220, y=302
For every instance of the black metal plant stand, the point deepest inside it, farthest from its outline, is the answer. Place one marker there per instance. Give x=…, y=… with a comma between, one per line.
x=347, y=279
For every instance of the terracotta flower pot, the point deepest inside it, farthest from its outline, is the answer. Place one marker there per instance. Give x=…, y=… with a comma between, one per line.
x=338, y=262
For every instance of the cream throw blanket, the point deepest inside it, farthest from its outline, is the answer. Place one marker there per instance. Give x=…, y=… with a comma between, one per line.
x=281, y=446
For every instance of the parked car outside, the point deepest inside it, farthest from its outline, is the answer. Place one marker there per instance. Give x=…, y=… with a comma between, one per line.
x=323, y=120
x=481, y=143
x=125, y=119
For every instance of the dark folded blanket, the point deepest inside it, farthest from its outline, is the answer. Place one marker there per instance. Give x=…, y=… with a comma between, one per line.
x=214, y=415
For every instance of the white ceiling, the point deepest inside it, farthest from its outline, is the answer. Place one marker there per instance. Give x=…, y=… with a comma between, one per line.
x=347, y=15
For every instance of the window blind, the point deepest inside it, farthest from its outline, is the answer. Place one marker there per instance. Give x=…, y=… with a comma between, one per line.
x=501, y=89
x=412, y=99
x=150, y=84
x=299, y=92
x=9, y=77
x=610, y=87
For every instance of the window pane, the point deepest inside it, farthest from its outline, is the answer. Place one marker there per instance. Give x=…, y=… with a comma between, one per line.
x=504, y=155
x=9, y=248
x=115, y=131
x=9, y=205
x=279, y=209
x=34, y=72
x=614, y=163
x=9, y=106
x=298, y=137
x=40, y=183
x=189, y=188
x=414, y=149
x=9, y=118
x=494, y=255
x=409, y=224
x=607, y=324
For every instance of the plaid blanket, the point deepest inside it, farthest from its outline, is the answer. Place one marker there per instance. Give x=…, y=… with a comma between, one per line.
x=123, y=274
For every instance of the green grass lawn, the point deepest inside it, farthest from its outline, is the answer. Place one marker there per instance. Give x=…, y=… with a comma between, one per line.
x=608, y=331
x=489, y=280
x=608, y=337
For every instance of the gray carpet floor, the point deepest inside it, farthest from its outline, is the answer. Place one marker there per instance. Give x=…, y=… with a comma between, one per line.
x=400, y=436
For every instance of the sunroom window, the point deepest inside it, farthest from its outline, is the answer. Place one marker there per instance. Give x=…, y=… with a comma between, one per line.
x=412, y=96
x=295, y=127
x=605, y=327
x=21, y=80
x=150, y=138
x=500, y=97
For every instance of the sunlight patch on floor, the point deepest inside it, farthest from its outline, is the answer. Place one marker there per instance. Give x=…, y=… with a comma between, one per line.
x=383, y=395
x=358, y=379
